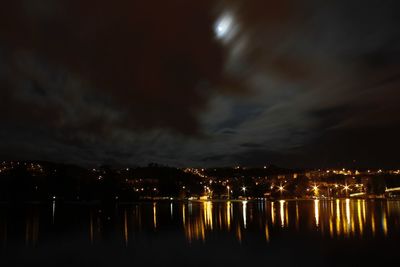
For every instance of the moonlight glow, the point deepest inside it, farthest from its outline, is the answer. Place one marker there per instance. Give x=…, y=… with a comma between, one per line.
x=224, y=26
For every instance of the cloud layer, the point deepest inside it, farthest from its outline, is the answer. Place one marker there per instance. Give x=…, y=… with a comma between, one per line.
x=210, y=83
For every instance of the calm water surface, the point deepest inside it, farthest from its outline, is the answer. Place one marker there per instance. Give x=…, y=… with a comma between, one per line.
x=262, y=233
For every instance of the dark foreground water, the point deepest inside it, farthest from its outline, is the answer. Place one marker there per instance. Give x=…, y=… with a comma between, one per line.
x=259, y=233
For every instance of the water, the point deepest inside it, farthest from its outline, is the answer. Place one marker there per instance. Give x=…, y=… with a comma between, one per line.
x=288, y=233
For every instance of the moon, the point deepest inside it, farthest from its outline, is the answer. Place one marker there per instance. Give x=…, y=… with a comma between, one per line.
x=223, y=27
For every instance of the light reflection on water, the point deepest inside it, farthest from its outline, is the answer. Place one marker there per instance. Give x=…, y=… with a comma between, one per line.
x=335, y=219
x=199, y=221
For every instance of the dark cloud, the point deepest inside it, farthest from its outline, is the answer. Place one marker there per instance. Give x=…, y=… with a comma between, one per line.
x=211, y=82
x=136, y=55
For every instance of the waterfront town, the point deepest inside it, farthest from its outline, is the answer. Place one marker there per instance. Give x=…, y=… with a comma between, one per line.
x=41, y=181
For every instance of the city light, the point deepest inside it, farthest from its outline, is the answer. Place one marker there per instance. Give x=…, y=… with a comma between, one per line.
x=320, y=183
x=281, y=188
x=315, y=189
x=346, y=187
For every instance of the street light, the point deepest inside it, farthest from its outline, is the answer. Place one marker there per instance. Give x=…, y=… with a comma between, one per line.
x=281, y=188
x=244, y=190
x=228, y=188
x=346, y=188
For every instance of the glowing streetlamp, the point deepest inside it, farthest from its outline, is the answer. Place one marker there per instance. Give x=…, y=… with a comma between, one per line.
x=228, y=188
x=281, y=188
x=244, y=190
x=346, y=188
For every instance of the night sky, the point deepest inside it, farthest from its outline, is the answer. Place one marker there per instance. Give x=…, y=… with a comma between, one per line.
x=306, y=83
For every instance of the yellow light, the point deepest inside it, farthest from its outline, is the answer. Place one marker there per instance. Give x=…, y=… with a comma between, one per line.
x=346, y=188
x=316, y=212
x=125, y=229
x=208, y=215
x=348, y=212
x=281, y=206
x=373, y=223
x=338, y=218
x=266, y=232
x=384, y=224
x=359, y=217
x=272, y=213
x=183, y=215
x=244, y=204
x=228, y=214
x=155, y=215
